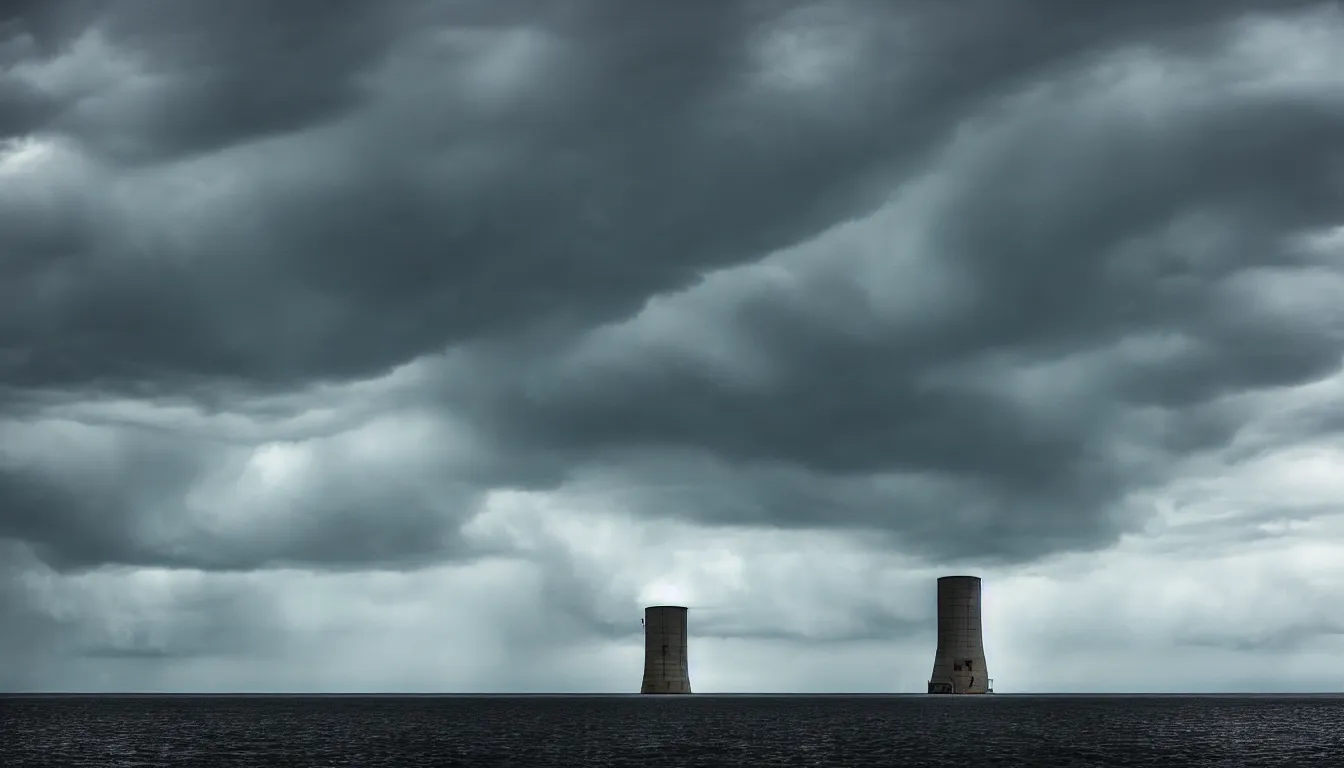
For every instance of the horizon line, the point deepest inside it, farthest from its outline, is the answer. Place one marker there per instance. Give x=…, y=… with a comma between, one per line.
x=507, y=694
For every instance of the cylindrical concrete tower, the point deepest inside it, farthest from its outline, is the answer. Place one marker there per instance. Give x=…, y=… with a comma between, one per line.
x=665, y=668
x=959, y=665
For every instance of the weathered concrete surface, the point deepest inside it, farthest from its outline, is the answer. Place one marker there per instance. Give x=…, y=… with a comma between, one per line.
x=665, y=667
x=959, y=664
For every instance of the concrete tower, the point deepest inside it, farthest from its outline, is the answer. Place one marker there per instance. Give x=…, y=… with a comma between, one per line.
x=959, y=664
x=665, y=668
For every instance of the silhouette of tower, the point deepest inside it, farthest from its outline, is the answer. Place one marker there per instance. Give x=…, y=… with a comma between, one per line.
x=665, y=667
x=959, y=664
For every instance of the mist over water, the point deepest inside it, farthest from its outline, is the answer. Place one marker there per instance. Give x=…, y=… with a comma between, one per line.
x=700, y=730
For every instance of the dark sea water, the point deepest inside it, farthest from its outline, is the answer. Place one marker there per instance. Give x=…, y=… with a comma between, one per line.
x=700, y=730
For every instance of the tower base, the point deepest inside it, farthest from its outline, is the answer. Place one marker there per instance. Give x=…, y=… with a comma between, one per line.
x=949, y=689
x=666, y=688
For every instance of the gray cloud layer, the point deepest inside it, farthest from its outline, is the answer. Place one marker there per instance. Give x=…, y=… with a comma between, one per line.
x=309, y=287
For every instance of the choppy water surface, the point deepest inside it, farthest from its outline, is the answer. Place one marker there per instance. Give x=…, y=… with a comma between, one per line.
x=696, y=730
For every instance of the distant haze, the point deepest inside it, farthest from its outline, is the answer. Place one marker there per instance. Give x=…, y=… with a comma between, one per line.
x=417, y=346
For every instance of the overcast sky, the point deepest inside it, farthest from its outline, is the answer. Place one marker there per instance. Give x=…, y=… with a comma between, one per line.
x=416, y=346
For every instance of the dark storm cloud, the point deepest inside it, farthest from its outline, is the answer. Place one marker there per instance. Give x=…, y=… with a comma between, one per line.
x=137, y=497
x=1066, y=260
x=274, y=195
x=633, y=116
x=231, y=72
